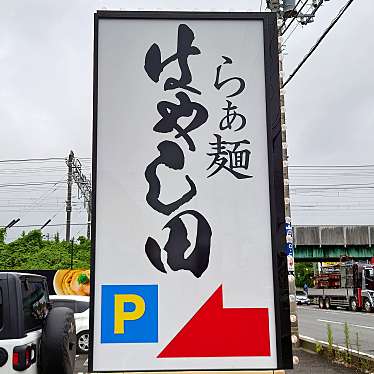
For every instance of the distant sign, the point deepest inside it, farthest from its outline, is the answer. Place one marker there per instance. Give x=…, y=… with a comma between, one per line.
x=289, y=248
x=189, y=270
x=64, y=281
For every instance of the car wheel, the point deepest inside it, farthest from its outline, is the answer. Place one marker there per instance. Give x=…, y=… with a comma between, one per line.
x=82, y=342
x=321, y=303
x=327, y=303
x=367, y=306
x=353, y=304
x=58, y=342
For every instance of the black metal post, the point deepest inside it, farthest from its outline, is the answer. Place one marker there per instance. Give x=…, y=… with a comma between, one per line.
x=71, y=253
x=68, y=200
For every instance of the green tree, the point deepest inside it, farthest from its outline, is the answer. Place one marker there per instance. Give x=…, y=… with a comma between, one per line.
x=32, y=252
x=57, y=237
x=304, y=274
x=2, y=236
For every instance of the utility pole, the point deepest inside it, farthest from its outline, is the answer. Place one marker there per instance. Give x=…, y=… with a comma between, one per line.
x=84, y=189
x=286, y=9
x=89, y=222
x=71, y=253
x=69, y=163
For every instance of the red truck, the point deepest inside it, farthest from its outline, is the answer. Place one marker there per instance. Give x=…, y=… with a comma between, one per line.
x=349, y=285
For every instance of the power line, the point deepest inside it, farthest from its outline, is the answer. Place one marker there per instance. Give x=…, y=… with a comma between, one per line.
x=55, y=224
x=315, y=46
x=290, y=34
x=38, y=201
x=41, y=159
x=294, y=29
x=22, y=184
x=333, y=185
x=293, y=18
x=333, y=166
x=34, y=159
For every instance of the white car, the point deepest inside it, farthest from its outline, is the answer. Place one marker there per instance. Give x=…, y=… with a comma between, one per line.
x=302, y=298
x=80, y=306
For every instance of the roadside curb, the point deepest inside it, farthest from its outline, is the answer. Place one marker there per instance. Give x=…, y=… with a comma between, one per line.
x=357, y=358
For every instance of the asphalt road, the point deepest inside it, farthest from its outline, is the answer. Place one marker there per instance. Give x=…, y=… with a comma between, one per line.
x=313, y=323
x=81, y=364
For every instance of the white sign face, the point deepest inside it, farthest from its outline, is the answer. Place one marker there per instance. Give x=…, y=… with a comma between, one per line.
x=183, y=242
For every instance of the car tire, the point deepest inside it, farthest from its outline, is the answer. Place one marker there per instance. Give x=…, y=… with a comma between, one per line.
x=367, y=306
x=82, y=342
x=327, y=303
x=321, y=303
x=58, y=342
x=353, y=304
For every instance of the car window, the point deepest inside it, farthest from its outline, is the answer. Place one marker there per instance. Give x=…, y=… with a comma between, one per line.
x=64, y=303
x=300, y=293
x=82, y=306
x=35, y=298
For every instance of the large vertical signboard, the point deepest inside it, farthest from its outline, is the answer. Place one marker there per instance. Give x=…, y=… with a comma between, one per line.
x=188, y=263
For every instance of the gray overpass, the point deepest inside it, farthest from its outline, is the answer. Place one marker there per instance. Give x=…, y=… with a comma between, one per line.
x=329, y=243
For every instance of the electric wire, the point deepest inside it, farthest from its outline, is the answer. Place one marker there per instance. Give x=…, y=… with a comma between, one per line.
x=339, y=192
x=319, y=41
x=290, y=34
x=33, y=159
x=22, y=184
x=294, y=29
x=46, y=159
x=293, y=18
x=49, y=225
x=332, y=166
x=30, y=187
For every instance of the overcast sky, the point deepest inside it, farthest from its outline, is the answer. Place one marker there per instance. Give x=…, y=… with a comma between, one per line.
x=46, y=105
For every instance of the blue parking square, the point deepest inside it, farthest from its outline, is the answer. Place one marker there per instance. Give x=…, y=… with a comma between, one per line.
x=129, y=314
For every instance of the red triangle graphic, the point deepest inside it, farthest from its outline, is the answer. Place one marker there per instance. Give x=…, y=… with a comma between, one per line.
x=218, y=332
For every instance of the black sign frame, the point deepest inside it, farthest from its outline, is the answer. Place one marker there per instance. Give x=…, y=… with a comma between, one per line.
x=275, y=164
